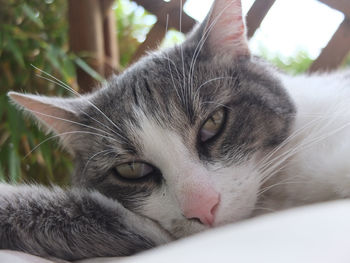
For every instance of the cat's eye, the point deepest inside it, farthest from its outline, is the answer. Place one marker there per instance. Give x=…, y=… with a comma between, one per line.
x=134, y=170
x=212, y=125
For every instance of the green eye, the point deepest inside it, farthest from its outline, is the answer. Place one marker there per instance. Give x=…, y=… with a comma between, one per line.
x=134, y=170
x=212, y=125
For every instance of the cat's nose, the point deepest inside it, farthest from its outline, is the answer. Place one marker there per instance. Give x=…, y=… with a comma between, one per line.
x=202, y=205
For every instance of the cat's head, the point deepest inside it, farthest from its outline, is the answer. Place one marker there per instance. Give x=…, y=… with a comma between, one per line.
x=179, y=135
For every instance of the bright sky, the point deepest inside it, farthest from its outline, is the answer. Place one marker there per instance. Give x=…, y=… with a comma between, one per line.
x=290, y=25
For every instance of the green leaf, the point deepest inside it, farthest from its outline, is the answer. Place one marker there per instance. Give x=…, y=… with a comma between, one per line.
x=15, y=50
x=52, y=56
x=3, y=99
x=84, y=66
x=1, y=41
x=15, y=123
x=58, y=57
x=32, y=16
x=2, y=174
x=14, y=165
x=46, y=151
x=31, y=32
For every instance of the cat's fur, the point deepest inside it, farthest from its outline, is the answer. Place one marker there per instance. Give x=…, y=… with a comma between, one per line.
x=284, y=143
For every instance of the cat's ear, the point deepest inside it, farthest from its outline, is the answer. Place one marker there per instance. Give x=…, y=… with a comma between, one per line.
x=56, y=114
x=224, y=31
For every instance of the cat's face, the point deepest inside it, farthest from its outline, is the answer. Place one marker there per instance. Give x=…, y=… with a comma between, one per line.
x=178, y=136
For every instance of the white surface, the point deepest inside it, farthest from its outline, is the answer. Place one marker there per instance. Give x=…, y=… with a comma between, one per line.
x=318, y=233
x=18, y=257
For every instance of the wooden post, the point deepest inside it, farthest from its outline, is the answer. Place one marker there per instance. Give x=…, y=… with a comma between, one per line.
x=111, y=64
x=92, y=32
x=341, y=5
x=336, y=50
x=86, y=36
x=256, y=15
x=153, y=39
x=163, y=10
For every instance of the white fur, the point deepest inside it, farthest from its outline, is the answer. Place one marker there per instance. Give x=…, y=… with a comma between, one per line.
x=320, y=169
x=317, y=167
x=237, y=186
x=6, y=189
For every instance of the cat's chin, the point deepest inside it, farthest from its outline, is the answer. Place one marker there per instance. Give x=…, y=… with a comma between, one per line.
x=184, y=228
x=233, y=214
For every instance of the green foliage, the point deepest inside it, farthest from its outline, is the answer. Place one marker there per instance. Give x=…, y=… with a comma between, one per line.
x=172, y=37
x=133, y=24
x=35, y=32
x=299, y=63
x=347, y=61
x=32, y=32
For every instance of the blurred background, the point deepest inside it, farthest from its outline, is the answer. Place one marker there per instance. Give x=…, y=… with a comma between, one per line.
x=82, y=42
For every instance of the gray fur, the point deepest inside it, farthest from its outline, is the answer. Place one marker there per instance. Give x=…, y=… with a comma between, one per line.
x=179, y=95
x=253, y=100
x=71, y=224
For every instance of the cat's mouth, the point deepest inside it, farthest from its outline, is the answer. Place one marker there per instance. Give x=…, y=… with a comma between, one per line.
x=186, y=227
x=195, y=220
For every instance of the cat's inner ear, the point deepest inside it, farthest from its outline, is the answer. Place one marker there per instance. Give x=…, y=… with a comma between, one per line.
x=56, y=114
x=225, y=27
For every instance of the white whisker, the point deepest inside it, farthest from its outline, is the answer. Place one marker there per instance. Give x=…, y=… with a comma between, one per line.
x=278, y=160
x=93, y=156
x=169, y=60
x=67, y=87
x=202, y=42
x=70, y=121
x=67, y=133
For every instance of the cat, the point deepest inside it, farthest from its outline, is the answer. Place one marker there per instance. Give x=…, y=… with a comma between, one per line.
x=189, y=138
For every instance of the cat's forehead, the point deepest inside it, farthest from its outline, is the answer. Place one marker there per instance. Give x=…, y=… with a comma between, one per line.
x=176, y=77
x=166, y=89
x=178, y=95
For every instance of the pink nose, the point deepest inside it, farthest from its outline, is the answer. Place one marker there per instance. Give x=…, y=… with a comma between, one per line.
x=202, y=206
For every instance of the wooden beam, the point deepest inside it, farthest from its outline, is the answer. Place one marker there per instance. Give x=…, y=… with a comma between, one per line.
x=152, y=6
x=341, y=5
x=163, y=9
x=106, y=6
x=256, y=15
x=153, y=39
x=168, y=16
x=333, y=55
x=171, y=10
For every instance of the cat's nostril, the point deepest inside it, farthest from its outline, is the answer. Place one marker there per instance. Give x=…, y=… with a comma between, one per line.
x=203, y=209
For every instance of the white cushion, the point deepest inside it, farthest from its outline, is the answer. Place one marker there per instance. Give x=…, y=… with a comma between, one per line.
x=317, y=233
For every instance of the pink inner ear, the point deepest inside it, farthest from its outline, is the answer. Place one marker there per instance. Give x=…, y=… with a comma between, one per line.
x=54, y=117
x=227, y=35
